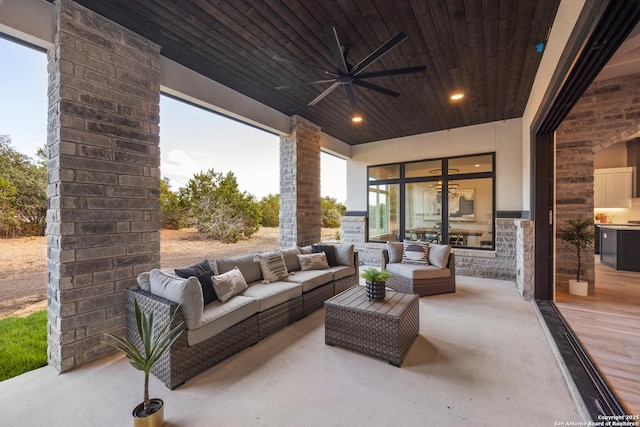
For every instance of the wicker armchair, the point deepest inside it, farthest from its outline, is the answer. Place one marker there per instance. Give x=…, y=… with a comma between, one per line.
x=422, y=287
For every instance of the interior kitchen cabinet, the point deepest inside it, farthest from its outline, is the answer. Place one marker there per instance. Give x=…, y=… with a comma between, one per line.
x=612, y=187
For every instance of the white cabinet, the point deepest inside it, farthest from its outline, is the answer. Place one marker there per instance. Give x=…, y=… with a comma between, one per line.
x=612, y=187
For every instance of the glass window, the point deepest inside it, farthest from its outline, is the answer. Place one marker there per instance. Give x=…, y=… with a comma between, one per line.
x=473, y=164
x=377, y=173
x=421, y=201
x=423, y=212
x=470, y=213
x=422, y=169
x=384, y=208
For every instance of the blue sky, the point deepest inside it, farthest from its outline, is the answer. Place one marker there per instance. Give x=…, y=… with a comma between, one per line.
x=191, y=139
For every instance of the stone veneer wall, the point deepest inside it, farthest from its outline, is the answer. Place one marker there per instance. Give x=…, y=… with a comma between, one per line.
x=103, y=220
x=512, y=260
x=606, y=114
x=300, y=212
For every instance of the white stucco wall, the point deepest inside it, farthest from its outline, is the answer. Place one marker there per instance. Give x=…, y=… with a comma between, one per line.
x=563, y=26
x=504, y=138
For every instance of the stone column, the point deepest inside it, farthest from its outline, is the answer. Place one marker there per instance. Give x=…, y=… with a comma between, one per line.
x=525, y=249
x=103, y=220
x=300, y=214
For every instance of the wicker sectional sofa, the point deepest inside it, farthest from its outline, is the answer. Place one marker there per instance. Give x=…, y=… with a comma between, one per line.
x=217, y=330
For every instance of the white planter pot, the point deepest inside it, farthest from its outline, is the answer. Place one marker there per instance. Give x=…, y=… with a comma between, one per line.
x=580, y=288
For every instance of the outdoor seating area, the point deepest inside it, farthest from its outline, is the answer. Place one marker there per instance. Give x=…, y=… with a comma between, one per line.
x=468, y=365
x=256, y=295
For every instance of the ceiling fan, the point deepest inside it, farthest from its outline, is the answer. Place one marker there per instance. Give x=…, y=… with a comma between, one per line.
x=346, y=75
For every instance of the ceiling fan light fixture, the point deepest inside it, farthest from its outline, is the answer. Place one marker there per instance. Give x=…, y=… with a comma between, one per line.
x=457, y=96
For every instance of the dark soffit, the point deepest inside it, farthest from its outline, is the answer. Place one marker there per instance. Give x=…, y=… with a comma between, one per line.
x=486, y=49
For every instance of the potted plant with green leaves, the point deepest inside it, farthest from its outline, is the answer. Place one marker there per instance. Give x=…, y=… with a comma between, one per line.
x=579, y=234
x=154, y=344
x=375, y=280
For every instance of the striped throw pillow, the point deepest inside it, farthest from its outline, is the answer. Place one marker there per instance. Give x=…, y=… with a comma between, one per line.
x=272, y=266
x=415, y=252
x=313, y=261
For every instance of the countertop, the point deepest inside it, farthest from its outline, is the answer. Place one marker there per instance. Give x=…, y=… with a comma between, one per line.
x=620, y=226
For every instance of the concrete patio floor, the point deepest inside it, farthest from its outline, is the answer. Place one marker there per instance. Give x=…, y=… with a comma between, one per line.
x=482, y=358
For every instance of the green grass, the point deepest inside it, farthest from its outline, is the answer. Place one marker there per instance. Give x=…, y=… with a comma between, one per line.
x=23, y=344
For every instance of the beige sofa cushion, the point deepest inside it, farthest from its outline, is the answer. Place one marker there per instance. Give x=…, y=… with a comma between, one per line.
x=439, y=255
x=311, y=279
x=269, y=295
x=342, y=271
x=416, y=271
x=344, y=254
x=218, y=316
x=186, y=292
x=245, y=263
x=290, y=256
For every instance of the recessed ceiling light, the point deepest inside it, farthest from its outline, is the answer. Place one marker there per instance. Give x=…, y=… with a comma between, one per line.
x=477, y=166
x=457, y=96
x=357, y=118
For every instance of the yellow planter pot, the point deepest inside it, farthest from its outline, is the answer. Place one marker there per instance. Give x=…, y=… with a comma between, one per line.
x=154, y=420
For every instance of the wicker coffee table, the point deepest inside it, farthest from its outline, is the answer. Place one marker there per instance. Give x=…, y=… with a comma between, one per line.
x=384, y=329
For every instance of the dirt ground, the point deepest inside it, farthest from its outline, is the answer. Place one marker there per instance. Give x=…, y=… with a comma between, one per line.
x=23, y=262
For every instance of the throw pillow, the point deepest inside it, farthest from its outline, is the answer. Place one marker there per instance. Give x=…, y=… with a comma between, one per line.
x=439, y=255
x=186, y=292
x=272, y=266
x=144, y=282
x=313, y=261
x=229, y=284
x=203, y=272
x=395, y=251
x=344, y=254
x=415, y=252
x=330, y=252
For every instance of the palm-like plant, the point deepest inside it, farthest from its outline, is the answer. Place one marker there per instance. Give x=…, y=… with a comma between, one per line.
x=153, y=346
x=579, y=234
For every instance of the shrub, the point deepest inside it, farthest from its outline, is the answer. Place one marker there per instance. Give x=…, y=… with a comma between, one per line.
x=331, y=212
x=270, y=207
x=172, y=209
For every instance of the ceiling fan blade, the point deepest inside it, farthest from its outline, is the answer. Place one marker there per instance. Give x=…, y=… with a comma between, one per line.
x=351, y=96
x=375, y=88
x=394, y=72
x=317, y=82
x=334, y=43
x=376, y=54
x=302, y=64
x=323, y=94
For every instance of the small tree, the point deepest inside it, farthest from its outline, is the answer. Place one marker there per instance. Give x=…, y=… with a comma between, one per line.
x=270, y=207
x=579, y=234
x=172, y=209
x=331, y=212
x=219, y=209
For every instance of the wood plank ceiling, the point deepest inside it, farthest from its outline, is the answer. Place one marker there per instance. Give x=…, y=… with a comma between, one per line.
x=486, y=49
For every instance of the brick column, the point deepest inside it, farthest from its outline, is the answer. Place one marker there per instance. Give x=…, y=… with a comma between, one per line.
x=300, y=222
x=103, y=220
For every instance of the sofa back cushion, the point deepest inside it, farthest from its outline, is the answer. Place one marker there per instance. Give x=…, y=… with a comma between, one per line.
x=291, y=258
x=272, y=266
x=439, y=255
x=186, y=292
x=395, y=252
x=248, y=267
x=345, y=254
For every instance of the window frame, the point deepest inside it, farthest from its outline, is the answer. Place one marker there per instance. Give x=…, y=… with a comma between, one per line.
x=445, y=177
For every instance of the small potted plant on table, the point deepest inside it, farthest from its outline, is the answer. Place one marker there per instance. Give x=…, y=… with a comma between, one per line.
x=579, y=234
x=375, y=282
x=149, y=413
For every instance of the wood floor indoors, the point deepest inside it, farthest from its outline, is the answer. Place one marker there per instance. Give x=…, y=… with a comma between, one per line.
x=607, y=323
